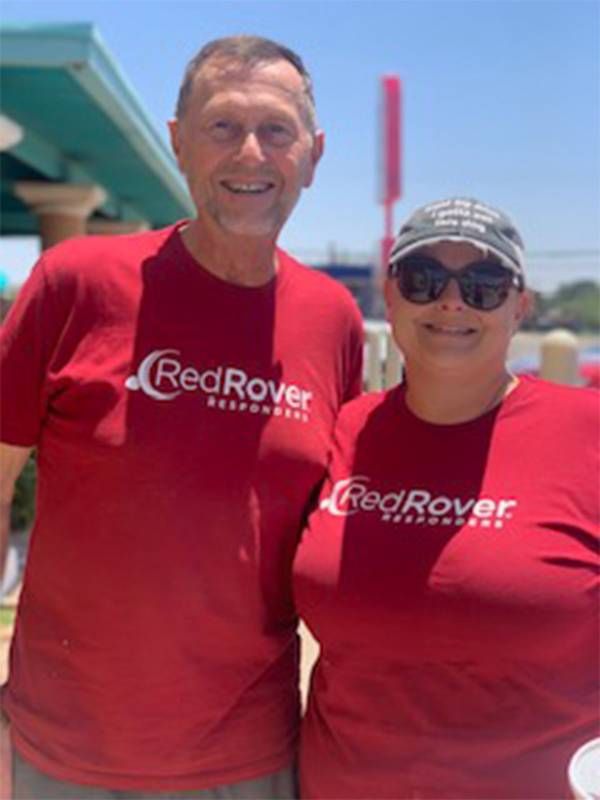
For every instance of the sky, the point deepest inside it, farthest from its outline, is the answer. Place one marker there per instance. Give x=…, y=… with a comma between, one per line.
x=501, y=101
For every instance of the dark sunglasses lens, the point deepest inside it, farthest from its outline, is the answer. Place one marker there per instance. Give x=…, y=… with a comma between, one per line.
x=421, y=280
x=485, y=285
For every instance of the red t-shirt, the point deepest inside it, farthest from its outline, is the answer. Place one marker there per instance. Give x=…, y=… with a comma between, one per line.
x=451, y=576
x=182, y=424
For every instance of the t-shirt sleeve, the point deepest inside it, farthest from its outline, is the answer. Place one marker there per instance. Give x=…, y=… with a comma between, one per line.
x=27, y=338
x=354, y=364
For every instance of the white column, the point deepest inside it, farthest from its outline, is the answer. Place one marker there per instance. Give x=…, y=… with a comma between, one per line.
x=112, y=227
x=559, y=361
x=62, y=208
x=11, y=132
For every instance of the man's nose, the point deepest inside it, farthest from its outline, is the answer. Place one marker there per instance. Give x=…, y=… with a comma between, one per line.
x=250, y=147
x=451, y=297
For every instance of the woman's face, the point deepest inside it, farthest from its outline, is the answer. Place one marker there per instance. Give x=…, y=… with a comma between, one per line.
x=447, y=334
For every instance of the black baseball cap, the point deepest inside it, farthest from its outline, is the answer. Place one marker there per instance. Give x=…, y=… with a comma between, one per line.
x=461, y=219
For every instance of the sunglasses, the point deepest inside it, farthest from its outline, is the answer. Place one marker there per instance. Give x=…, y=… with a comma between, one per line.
x=484, y=285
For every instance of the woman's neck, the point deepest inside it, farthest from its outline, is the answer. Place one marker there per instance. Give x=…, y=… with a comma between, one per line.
x=453, y=398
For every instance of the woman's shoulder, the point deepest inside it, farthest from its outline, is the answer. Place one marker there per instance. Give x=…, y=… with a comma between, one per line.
x=571, y=413
x=561, y=398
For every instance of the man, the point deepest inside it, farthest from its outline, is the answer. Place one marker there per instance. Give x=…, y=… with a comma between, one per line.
x=180, y=386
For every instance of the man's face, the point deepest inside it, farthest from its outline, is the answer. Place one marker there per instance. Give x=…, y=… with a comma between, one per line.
x=447, y=334
x=245, y=145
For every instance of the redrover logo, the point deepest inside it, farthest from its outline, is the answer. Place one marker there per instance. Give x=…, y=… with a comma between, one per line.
x=416, y=506
x=162, y=376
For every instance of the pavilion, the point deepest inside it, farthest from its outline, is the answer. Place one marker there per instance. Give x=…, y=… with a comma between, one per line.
x=78, y=152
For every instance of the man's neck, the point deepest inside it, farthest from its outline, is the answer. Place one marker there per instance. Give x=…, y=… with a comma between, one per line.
x=452, y=398
x=241, y=260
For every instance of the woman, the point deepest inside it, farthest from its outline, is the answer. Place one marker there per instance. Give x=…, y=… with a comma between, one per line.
x=450, y=571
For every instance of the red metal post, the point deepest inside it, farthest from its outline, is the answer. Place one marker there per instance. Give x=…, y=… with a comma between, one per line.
x=390, y=178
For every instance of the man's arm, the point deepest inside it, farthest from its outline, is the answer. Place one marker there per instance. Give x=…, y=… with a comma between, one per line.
x=12, y=461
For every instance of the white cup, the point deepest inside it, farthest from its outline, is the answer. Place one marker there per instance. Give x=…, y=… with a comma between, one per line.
x=584, y=771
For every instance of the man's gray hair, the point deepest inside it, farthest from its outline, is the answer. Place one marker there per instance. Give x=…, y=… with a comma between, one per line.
x=246, y=51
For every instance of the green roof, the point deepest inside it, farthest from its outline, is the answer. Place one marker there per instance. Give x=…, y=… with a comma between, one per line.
x=83, y=123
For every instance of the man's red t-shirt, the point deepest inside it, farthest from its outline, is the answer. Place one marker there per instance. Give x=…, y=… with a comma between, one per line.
x=182, y=424
x=451, y=576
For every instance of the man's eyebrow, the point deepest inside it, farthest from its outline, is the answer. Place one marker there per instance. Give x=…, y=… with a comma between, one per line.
x=226, y=107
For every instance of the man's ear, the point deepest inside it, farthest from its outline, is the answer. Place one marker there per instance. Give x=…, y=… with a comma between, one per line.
x=318, y=147
x=175, y=138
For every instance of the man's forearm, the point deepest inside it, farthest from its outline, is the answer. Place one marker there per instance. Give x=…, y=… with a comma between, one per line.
x=5, y=746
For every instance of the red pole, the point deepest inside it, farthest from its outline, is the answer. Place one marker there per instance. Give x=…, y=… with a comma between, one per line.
x=388, y=234
x=391, y=158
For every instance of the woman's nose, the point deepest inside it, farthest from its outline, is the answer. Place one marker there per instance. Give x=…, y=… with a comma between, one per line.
x=451, y=297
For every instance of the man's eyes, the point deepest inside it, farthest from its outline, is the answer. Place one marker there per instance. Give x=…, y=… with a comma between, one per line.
x=276, y=134
x=224, y=130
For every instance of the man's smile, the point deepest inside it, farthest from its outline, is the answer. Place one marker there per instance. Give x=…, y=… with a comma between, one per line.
x=250, y=187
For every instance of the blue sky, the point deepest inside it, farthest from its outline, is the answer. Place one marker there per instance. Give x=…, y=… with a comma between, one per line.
x=501, y=102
